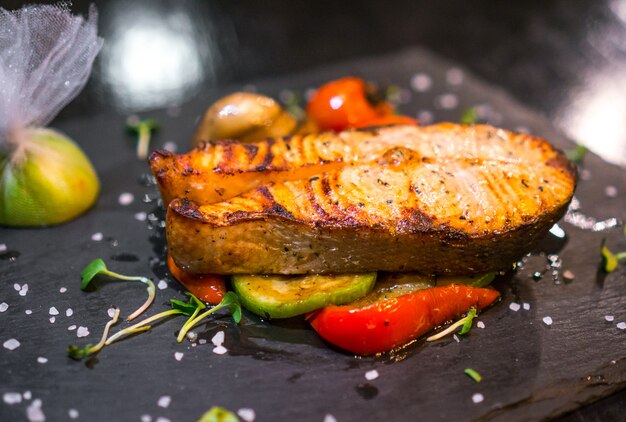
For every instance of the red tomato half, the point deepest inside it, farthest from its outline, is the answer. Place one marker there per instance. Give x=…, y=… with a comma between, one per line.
x=393, y=322
x=340, y=104
x=209, y=288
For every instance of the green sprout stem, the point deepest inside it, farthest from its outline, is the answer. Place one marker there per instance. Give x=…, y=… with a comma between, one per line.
x=143, y=129
x=473, y=374
x=150, y=288
x=465, y=322
x=142, y=325
x=194, y=319
x=89, y=350
x=230, y=301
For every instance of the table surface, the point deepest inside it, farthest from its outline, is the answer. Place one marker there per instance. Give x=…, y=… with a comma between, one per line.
x=563, y=60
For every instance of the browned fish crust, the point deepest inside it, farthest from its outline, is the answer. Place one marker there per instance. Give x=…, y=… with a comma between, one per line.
x=444, y=199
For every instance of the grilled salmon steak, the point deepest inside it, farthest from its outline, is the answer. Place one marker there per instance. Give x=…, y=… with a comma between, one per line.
x=444, y=199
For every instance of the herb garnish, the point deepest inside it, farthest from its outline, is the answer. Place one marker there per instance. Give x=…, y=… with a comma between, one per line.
x=610, y=261
x=465, y=322
x=576, y=154
x=218, y=414
x=98, y=267
x=76, y=353
x=143, y=129
x=230, y=301
x=469, y=116
x=473, y=374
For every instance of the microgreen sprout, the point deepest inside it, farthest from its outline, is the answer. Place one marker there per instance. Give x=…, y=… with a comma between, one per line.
x=218, y=414
x=178, y=308
x=610, y=261
x=469, y=116
x=473, y=374
x=230, y=301
x=576, y=154
x=98, y=267
x=76, y=353
x=465, y=322
x=483, y=281
x=143, y=129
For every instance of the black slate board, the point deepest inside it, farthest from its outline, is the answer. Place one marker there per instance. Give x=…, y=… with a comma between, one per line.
x=283, y=371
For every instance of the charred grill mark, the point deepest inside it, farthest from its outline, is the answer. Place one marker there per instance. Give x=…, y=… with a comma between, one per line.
x=313, y=201
x=251, y=150
x=268, y=158
x=188, y=209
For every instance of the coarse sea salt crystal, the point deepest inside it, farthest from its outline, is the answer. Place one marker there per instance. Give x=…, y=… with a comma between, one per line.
x=371, y=375
x=17, y=287
x=52, y=319
x=12, y=398
x=28, y=312
x=73, y=413
x=162, y=419
x=526, y=306
x=41, y=359
x=53, y=311
x=34, y=412
x=82, y=331
x=202, y=341
x=71, y=327
x=141, y=216
x=609, y=318
x=514, y=306
x=97, y=237
x=27, y=395
x=63, y=290
x=421, y=82
x=3, y=247
x=246, y=414
x=162, y=285
x=456, y=338
x=11, y=344
x=610, y=191
x=220, y=350
x=164, y=401
x=126, y=198
x=69, y=312
x=24, y=290
x=547, y=320
x=218, y=338
x=4, y=306
x=178, y=356
x=329, y=418
x=111, y=312
x=480, y=324
x=621, y=325
x=477, y=398
x=145, y=418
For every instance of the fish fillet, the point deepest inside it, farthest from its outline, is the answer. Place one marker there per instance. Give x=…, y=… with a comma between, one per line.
x=445, y=199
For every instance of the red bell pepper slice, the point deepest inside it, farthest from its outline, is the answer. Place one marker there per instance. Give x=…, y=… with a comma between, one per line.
x=389, y=323
x=209, y=288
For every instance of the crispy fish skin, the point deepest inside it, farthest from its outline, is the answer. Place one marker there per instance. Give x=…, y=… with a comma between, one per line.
x=470, y=212
x=219, y=170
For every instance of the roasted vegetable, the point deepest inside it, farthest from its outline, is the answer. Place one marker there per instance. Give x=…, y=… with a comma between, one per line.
x=373, y=325
x=274, y=296
x=246, y=117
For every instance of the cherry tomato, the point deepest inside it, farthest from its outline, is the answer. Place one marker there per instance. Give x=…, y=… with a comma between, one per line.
x=340, y=104
x=209, y=288
x=392, y=322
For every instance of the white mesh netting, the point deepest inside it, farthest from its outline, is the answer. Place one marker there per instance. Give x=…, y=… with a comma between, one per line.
x=46, y=54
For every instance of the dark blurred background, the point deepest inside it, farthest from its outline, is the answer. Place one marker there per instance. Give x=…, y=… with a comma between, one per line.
x=565, y=59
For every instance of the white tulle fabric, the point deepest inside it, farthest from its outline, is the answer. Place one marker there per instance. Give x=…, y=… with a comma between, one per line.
x=46, y=54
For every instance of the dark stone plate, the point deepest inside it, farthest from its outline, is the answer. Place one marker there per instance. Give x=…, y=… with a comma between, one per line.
x=283, y=371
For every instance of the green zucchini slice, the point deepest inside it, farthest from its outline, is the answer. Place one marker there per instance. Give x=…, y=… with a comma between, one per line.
x=277, y=296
